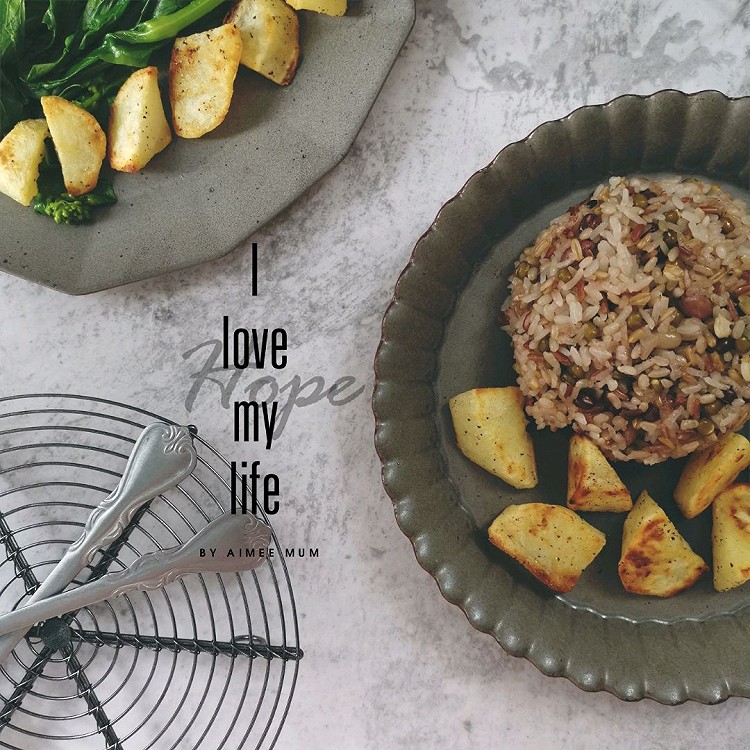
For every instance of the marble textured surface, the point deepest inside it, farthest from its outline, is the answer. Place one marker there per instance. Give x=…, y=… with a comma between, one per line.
x=389, y=663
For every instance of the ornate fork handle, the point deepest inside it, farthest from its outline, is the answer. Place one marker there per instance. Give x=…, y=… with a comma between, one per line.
x=238, y=542
x=163, y=456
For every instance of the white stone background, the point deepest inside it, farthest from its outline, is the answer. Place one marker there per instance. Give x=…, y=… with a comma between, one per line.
x=390, y=664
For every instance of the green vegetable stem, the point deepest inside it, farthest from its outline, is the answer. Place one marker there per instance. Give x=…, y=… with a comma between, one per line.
x=169, y=26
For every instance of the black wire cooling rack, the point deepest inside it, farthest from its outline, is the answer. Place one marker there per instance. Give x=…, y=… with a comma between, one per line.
x=208, y=662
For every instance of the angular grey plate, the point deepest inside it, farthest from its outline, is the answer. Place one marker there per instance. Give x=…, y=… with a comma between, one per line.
x=441, y=337
x=198, y=200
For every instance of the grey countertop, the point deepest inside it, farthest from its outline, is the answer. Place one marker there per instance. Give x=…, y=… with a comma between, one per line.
x=389, y=663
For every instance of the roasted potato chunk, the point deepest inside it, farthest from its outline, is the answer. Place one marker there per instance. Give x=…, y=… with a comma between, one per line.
x=490, y=427
x=551, y=542
x=655, y=559
x=138, y=127
x=270, y=37
x=79, y=141
x=21, y=153
x=201, y=79
x=328, y=7
x=592, y=482
x=731, y=537
x=709, y=472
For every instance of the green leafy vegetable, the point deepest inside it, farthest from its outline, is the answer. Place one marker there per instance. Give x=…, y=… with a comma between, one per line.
x=12, y=26
x=13, y=98
x=13, y=102
x=66, y=209
x=82, y=51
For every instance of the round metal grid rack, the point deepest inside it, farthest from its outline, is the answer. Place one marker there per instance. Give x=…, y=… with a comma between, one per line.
x=208, y=662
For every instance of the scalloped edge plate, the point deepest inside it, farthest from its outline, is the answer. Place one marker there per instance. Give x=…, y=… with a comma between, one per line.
x=671, y=659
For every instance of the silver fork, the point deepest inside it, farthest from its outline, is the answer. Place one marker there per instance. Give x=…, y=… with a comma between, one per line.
x=163, y=456
x=229, y=544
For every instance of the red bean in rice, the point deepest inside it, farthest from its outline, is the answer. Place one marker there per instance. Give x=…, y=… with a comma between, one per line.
x=630, y=318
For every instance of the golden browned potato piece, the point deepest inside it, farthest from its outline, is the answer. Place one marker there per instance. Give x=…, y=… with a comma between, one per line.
x=138, y=127
x=731, y=537
x=201, y=79
x=490, y=427
x=21, y=153
x=709, y=472
x=656, y=560
x=551, y=542
x=592, y=483
x=329, y=7
x=270, y=37
x=79, y=141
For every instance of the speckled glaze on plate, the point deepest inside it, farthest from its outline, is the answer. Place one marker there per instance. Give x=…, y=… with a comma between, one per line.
x=199, y=199
x=441, y=337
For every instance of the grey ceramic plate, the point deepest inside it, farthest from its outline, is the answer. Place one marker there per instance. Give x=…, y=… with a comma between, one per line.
x=198, y=199
x=441, y=337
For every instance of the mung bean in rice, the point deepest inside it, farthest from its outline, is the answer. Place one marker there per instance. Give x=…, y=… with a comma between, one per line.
x=630, y=318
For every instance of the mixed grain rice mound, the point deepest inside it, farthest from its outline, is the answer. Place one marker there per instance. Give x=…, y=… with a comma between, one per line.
x=630, y=318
